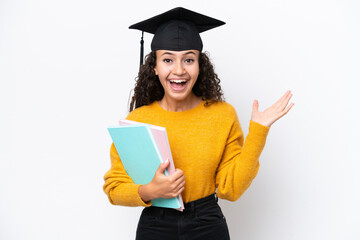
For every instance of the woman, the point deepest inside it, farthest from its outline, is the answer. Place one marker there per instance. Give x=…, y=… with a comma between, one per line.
x=178, y=89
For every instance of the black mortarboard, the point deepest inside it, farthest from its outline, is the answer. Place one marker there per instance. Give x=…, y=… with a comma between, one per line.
x=176, y=30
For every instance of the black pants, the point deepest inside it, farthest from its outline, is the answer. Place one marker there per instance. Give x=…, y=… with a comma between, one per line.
x=201, y=219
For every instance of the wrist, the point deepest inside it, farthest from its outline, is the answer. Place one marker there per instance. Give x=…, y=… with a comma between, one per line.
x=146, y=192
x=266, y=124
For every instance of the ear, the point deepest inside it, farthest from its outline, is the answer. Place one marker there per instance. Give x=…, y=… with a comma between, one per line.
x=156, y=72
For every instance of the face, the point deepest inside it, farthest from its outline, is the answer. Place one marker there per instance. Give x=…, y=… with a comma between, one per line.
x=178, y=72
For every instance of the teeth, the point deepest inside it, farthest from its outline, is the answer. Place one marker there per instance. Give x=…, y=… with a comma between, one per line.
x=178, y=81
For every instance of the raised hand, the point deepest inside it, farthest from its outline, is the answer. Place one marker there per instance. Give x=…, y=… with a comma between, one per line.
x=162, y=186
x=273, y=113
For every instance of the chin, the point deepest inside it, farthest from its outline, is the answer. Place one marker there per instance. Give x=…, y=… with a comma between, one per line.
x=179, y=96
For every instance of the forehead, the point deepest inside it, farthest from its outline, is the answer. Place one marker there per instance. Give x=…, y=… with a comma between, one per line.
x=160, y=53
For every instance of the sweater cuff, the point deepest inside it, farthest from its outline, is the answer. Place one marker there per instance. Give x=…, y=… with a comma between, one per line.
x=258, y=130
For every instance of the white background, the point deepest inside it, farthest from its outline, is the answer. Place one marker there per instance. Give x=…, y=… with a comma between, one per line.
x=67, y=68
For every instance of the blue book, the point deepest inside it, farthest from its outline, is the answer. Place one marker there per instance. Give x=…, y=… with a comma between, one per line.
x=140, y=156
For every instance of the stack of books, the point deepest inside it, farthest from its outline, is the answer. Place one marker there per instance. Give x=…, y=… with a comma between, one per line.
x=142, y=148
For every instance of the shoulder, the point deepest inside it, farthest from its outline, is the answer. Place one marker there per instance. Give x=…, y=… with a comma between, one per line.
x=223, y=109
x=141, y=113
x=220, y=113
x=222, y=116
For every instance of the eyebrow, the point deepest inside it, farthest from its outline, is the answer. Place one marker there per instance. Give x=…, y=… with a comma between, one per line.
x=170, y=53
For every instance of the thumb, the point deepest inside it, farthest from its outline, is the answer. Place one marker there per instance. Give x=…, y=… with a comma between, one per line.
x=255, y=106
x=163, y=166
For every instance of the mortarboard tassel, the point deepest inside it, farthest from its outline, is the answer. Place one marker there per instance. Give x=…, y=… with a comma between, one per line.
x=142, y=49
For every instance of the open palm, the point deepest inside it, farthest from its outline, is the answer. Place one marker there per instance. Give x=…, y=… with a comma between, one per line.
x=273, y=113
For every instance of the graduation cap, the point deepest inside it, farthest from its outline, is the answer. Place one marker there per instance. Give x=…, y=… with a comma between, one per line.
x=176, y=30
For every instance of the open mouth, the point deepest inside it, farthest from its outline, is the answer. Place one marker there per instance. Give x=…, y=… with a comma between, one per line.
x=178, y=85
x=178, y=82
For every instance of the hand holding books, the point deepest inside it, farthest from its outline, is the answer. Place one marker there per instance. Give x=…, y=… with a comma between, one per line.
x=143, y=149
x=163, y=186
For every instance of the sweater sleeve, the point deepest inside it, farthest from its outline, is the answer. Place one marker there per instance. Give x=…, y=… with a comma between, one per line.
x=119, y=187
x=240, y=162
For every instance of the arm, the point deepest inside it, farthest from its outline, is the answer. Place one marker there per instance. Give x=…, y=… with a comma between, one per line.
x=240, y=162
x=121, y=190
x=119, y=187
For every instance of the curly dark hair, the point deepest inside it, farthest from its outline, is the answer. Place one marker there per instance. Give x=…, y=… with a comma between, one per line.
x=149, y=89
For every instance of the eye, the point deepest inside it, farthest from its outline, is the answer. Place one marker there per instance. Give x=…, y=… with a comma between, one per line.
x=189, y=60
x=167, y=60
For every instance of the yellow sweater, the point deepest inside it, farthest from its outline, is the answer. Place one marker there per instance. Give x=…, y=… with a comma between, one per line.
x=207, y=143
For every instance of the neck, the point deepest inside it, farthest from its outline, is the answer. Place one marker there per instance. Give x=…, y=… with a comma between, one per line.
x=180, y=105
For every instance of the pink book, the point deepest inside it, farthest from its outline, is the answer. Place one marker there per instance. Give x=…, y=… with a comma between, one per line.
x=162, y=142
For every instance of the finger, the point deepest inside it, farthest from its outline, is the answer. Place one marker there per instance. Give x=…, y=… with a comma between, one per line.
x=177, y=174
x=163, y=166
x=175, y=192
x=255, y=106
x=180, y=186
x=179, y=171
x=180, y=181
x=281, y=100
x=288, y=108
x=281, y=114
x=285, y=102
x=180, y=191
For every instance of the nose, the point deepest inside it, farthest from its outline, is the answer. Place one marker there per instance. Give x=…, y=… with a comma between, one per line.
x=178, y=68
